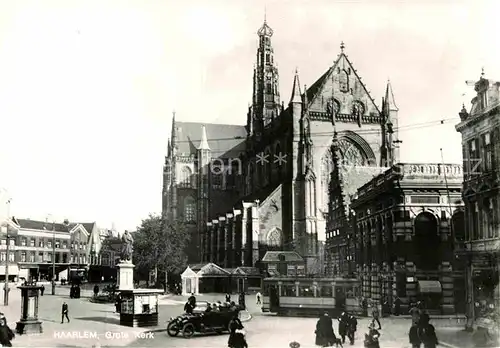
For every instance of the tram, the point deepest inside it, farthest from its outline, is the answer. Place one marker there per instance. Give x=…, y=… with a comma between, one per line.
x=301, y=296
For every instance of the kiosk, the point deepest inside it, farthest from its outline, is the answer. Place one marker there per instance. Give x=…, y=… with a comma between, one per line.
x=29, y=323
x=139, y=307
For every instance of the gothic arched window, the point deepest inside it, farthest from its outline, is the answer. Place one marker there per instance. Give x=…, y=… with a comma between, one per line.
x=274, y=238
x=185, y=179
x=189, y=210
x=326, y=170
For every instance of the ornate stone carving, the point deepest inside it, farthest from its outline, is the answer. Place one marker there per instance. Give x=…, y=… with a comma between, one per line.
x=351, y=154
x=343, y=81
x=333, y=107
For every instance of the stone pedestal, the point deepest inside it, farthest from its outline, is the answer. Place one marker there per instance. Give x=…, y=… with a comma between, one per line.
x=125, y=273
x=29, y=323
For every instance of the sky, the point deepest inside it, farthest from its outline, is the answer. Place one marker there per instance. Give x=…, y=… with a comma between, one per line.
x=87, y=88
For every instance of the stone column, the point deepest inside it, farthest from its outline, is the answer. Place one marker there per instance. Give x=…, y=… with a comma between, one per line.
x=236, y=238
x=255, y=233
x=215, y=244
x=221, y=241
x=446, y=279
x=228, y=242
x=208, y=246
x=244, y=234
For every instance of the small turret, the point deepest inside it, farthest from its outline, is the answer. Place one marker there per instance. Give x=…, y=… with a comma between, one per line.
x=204, y=141
x=296, y=94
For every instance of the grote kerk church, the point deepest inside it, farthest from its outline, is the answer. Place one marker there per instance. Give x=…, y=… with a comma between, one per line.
x=264, y=186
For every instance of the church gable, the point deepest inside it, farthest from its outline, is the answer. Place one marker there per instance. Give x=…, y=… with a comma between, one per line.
x=341, y=91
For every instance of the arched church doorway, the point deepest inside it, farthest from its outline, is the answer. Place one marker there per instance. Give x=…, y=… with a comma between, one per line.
x=427, y=242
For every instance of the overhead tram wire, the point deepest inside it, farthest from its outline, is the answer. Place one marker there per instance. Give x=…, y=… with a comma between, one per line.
x=410, y=127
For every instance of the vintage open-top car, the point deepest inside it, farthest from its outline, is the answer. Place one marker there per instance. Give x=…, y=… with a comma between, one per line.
x=202, y=322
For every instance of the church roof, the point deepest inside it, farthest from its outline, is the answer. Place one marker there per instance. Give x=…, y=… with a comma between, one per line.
x=224, y=140
x=317, y=86
x=49, y=226
x=288, y=256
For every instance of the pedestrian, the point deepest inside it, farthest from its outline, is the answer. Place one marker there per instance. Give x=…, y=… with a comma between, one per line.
x=241, y=300
x=427, y=332
x=192, y=300
x=64, y=312
x=364, y=305
x=372, y=337
x=258, y=297
x=118, y=303
x=228, y=298
x=325, y=336
x=96, y=290
x=376, y=316
x=42, y=290
x=413, y=336
x=351, y=329
x=188, y=308
x=343, y=325
x=6, y=334
x=415, y=314
x=235, y=340
x=397, y=306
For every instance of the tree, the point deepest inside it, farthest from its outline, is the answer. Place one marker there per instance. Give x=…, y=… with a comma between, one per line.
x=161, y=244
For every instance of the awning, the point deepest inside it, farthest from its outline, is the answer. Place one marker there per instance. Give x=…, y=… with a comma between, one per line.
x=13, y=270
x=429, y=286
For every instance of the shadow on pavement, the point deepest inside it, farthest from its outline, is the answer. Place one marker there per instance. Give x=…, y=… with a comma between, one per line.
x=106, y=320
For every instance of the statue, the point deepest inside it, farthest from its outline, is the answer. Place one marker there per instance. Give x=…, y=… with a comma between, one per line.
x=127, y=247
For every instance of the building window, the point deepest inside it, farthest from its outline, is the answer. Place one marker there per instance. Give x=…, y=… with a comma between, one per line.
x=189, y=209
x=23, y=256
x=217, y=180
x=58, y=244
x=3, y=256
x=65, y=258
x=12, y=242
x=12, y=257
x=32, y=243
x=186, y=175
x=249, y=178
x=3, y=242
x=487, y=152
x=40, y=243
x=49, y=244
x=72, y=258
x=40, y=257
x=474, y=221
x=49, y=257
x=65, y=245
x=474, y=158
x=32, y=256
x=83, y=259
x=23, y=242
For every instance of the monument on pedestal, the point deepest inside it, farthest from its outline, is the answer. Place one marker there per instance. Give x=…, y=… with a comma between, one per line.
x=139, y=307
x=29, y=323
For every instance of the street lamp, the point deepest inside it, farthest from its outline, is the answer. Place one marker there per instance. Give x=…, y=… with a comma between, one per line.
x=53, y=282
x=6, y=287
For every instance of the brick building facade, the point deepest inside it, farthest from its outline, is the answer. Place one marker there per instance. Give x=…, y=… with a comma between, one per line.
x=480, y=129
x=35, y=245
x=403, y=243
x=273, y=190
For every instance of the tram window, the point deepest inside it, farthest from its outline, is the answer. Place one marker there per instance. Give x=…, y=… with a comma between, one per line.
x=325, y=291
x=349, y=292
x=288, y=290
x=306, y=291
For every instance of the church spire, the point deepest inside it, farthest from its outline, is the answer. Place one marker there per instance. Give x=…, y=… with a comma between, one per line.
x=296, y=94
x=389, y=98
x=266, y=99
x=204, y=141
x=173, y=144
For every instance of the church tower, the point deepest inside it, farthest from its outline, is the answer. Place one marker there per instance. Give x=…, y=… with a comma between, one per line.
x=390, y=111
x=266, y=98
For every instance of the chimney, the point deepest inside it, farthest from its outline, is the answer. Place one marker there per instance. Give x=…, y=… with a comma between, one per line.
x=66, y=222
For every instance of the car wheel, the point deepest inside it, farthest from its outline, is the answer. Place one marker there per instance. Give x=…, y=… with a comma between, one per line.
x=188, y=331
x=173, y=329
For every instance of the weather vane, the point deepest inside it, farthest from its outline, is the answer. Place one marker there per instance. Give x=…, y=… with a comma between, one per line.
x=342, y=46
